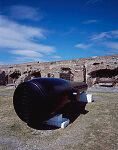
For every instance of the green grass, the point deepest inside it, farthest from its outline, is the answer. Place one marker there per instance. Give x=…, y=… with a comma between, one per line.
x=96, y=130
x=102, y=133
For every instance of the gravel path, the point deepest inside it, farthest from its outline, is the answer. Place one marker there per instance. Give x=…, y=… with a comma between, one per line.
x=114, y=90
x=6, y=94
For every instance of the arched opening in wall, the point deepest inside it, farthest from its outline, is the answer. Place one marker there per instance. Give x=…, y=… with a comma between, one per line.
x=50, y=75
x=27, y=76
x=13, y=77
x=2, y=78
x=36, y=74
x=6, y=79
x=104, y=77
x=66, y=74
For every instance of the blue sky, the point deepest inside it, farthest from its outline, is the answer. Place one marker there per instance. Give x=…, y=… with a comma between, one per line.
x=51, y=30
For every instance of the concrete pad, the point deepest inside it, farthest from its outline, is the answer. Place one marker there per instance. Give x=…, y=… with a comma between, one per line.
x=58, y=121
x=87, y=98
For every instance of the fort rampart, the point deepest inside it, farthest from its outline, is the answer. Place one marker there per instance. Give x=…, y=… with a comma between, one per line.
x=95, y=71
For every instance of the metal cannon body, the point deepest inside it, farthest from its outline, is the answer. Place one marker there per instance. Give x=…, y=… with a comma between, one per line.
x=40, y=99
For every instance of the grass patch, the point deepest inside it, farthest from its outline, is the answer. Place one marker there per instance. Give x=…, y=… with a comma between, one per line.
x=97, y=130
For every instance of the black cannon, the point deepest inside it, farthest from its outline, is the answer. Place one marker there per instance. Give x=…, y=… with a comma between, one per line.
x=39, y=99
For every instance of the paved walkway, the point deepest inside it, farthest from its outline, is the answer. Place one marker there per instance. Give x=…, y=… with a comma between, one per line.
x=114, y=90
x=103, y=89
x=6, y=94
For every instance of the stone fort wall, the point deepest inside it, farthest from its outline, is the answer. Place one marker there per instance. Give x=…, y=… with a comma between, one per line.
x=95, y=71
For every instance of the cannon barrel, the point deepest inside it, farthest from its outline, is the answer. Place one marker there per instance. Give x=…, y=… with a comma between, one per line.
x=39, y=99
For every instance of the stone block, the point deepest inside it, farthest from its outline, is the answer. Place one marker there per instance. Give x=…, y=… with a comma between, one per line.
x=58, y=121
x=87, y=98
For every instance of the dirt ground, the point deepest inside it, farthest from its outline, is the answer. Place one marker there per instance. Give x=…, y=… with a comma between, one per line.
x=97, y=129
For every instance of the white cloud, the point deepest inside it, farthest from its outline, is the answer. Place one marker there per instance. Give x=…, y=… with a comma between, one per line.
x=1, y=63
x=13, y=30
x=57, y=57
x=105, y=35
x=24, y=12
x=22, y=37
x=113, y=45
x=115, y=33
x=101, y=36
x=90, y=21
x=23, y=41
x=17, y=44
x=28, y=53
x=28, y=59
x=83, y=46
x=105, y=40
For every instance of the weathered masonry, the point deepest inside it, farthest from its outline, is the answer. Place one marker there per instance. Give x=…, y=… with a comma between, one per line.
x=95, y=71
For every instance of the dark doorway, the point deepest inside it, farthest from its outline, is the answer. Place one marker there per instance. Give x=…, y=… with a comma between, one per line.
x=106, y=73
x=13, y=77
x=2, y=78
x=36, y=74
x=104, y=77
x=50, y=75
x=66, y=74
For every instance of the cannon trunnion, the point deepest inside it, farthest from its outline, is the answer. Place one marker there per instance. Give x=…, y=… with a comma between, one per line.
x=39, y=99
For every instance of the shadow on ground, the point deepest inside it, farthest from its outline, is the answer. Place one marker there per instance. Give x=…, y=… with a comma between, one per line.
x=71, y=111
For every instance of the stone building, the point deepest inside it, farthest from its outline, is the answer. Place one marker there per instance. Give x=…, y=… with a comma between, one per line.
x=95, y=71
